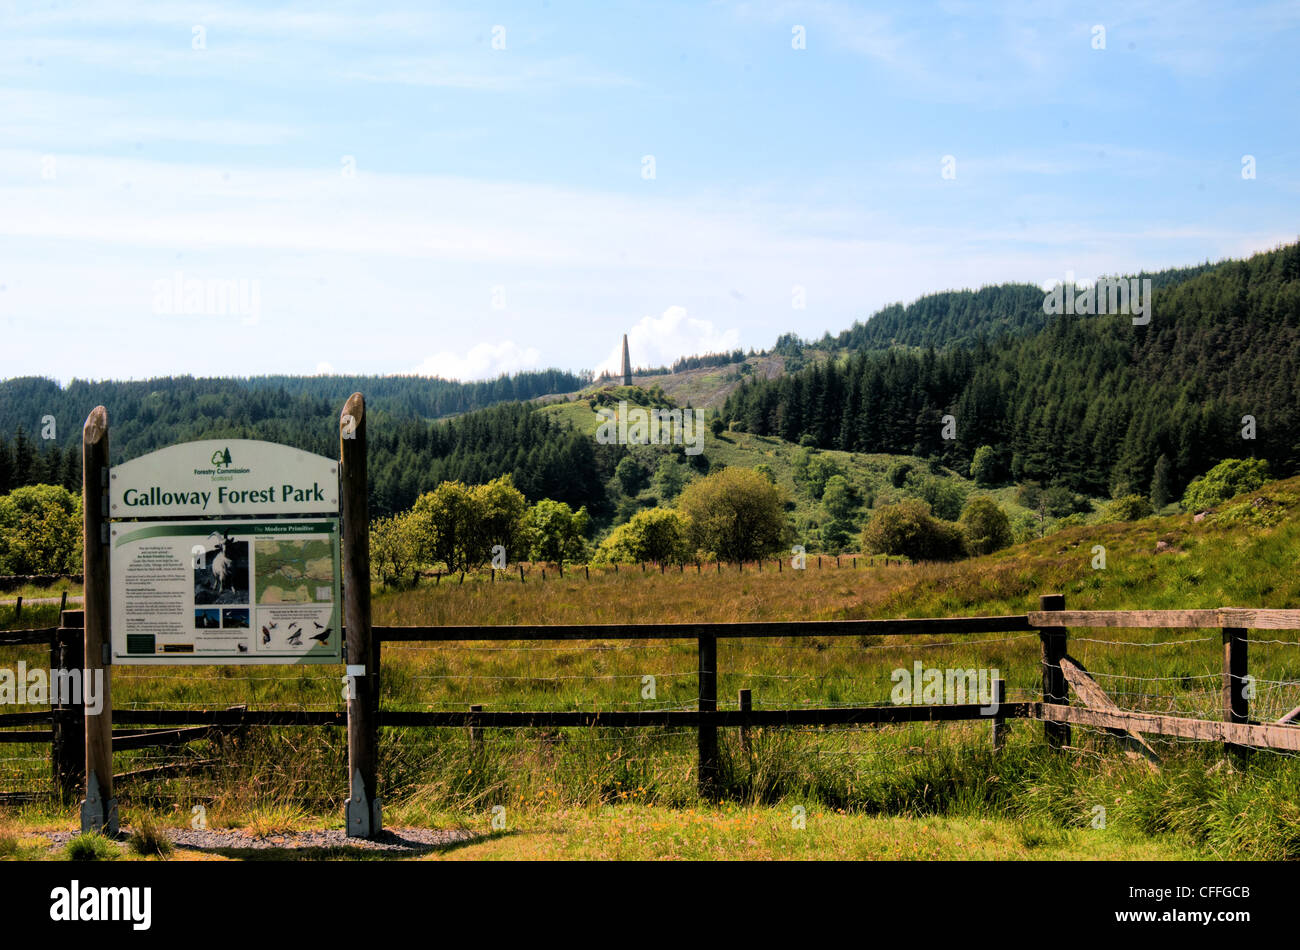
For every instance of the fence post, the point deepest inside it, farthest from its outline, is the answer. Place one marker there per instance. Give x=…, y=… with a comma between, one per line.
x=1236, y=707
x=1054, y=688
x=521, y=574
x=18, y=609
x=708, y=703
x=363, y=814
x=99, y=808
x=68, y=718
x=475, y=733
x=746, y=704
x=1000, y=727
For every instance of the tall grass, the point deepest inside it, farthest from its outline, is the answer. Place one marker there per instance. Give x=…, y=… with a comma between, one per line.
x=280, y=778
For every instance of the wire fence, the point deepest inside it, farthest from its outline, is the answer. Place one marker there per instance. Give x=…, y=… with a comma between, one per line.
x=1173, y=673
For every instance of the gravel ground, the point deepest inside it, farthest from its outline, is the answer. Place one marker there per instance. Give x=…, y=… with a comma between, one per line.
x=397, y=840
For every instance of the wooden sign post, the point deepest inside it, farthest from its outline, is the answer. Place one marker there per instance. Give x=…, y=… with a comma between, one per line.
x=99, y=809
x=363, y=813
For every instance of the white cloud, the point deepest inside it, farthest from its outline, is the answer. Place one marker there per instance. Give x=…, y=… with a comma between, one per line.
x=657, y=341
x=324, y=368
x=483, y=361
x=386, y=257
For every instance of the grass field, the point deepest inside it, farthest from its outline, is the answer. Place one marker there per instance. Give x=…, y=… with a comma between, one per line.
x=728, y=832
x=934, y=790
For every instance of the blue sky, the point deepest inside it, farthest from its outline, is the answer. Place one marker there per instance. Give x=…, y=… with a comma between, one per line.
x=405, y=196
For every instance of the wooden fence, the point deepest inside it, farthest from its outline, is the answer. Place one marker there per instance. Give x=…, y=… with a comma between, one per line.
x=538, y=570
x=64, y=728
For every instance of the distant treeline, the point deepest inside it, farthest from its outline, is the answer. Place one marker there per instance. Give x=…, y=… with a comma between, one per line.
x=427, y=397
x=693, y=362
x=958, y=317
x=407, y=456
x=410, y=453
x=1089, y=402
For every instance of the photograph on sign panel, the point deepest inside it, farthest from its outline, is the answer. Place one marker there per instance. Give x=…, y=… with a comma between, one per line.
x=221, y=574
x=235, y=618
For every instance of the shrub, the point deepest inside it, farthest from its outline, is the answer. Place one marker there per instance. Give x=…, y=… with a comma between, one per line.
x=838, y=499
x=557, y=532
x=631, y=476
x=459, y=525
x=945, y=498
x=394, y=548
x=986, y=468
x=907, y=528
x=445, y=523
x=986, y=526
x=1229, y=478
x=40, y=531
x=657, y=534
x=1128, y=508
x=898, y=473
x=736, y=514
x=670, y=477
x=812, y=471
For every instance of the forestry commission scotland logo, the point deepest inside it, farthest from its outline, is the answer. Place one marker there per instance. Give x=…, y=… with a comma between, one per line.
x=221, y=457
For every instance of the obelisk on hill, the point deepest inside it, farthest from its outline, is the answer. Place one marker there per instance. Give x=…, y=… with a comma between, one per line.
x=627, y=364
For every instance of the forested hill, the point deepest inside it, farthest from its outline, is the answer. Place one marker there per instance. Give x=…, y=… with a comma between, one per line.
x=407, y=456
x=423, y=396
x=181, y=399
x=410, y=454
x=1092, y=402
x=962, y=317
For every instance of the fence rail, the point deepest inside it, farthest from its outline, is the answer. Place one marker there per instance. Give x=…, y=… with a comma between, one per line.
x=1061, y=676
x=692, y=631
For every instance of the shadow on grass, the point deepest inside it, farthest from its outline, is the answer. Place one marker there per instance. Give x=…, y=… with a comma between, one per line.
x=398, y=848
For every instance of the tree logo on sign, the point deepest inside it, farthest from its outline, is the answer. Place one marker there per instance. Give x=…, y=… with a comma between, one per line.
x=221, y=457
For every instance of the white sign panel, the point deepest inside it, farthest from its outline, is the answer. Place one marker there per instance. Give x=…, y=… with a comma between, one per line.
x=194, y=592
x=222, y=477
